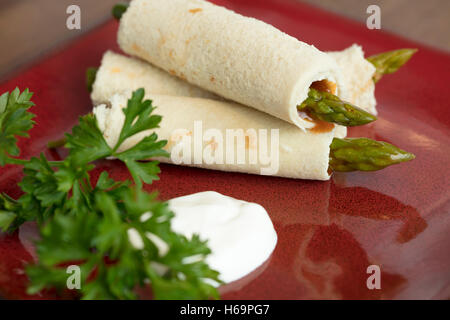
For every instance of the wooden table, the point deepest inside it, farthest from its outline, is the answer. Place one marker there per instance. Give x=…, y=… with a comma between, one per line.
x=30, y=28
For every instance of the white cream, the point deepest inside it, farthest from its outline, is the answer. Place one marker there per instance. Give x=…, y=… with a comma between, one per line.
x=240, y=234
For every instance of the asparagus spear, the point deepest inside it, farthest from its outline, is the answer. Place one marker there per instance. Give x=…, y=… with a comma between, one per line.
x=119, y=9
x=328, y=107
x=390, y=62
x=363, y=154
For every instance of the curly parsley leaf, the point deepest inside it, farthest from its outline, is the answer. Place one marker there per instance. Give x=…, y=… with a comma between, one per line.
x=92, y=225
x=147, y=148
x=41, y=199
x=15, y=121
x=101, y=240
x=6, y=219
x=139, y=118
x=86, y=142
x=8, y=209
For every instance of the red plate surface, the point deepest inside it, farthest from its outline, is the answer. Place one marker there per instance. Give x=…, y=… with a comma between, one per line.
x=329, y=232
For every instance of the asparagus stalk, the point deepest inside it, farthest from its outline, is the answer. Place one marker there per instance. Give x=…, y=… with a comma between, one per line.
x=119, y=9
x=390, y=62
x=363, y=154
x=327, y=107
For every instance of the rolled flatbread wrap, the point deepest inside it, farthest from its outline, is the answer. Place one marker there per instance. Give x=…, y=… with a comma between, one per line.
x=200, y=134
x=121, y=74
x=238, y=58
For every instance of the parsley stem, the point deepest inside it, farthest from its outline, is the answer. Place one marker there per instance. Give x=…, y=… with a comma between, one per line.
x=22, y=162
x=17, y=161
x=56, y=144
x=91, y=74
x=55, y=163
x=86, y=185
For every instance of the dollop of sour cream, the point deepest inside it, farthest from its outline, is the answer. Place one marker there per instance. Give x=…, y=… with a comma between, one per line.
x=240, y=234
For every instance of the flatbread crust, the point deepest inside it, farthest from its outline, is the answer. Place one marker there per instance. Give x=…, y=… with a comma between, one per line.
x=121, y=74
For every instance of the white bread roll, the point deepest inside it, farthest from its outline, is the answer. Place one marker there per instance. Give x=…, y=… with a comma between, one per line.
x=301, y=155
x=238, y=58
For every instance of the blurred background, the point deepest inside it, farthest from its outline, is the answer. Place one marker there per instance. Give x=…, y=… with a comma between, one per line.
x=31, y=28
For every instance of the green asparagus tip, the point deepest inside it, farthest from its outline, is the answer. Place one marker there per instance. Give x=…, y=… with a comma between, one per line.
x=119, y=9
x=390, y=62
x=91, y=74
x=327, y=107
x=363, y=154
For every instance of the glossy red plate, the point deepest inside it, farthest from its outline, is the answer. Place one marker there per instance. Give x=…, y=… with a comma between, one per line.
x=329, y=232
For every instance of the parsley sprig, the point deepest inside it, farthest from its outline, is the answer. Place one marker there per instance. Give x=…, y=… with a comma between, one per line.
x=90, y=225
x=15, y=121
